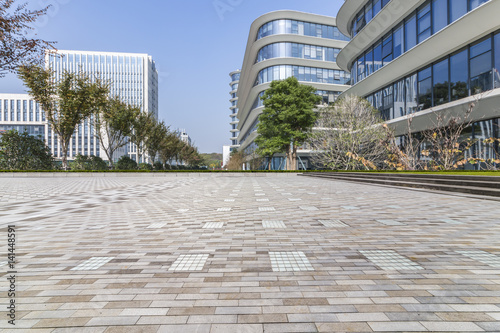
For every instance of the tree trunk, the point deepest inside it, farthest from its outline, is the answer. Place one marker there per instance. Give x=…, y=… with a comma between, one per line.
x=294, y=158
x=64, y=154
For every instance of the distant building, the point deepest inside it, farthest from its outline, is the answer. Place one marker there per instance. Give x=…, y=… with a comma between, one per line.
x=133, y=77
x=235, y=79
x=226, y=155
x=185, y=137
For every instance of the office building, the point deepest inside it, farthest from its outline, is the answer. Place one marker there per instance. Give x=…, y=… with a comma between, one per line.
x=283, y=44
x=426, y=58
x=132, y=77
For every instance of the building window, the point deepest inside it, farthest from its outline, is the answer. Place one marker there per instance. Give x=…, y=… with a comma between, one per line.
x=399, y=42
x=411, y=96
x=458, y=8
x=425, y=89
x=439, y=15
x=481, y=66
x=424, y=22
x=369, y=62
x=440, y=83
x=475, y=3
x=377, y=56
x=388, y=103
x=361, y=68
x=399, y=99
x=387, y=50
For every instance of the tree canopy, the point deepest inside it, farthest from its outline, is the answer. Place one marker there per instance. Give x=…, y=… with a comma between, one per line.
x=66, y=102
x=16, y=48
x=287, y=119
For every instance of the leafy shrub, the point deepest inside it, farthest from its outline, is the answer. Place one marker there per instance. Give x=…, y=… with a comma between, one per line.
x=126, y=163
x=24, y=152
x=145, y=166
x=158, y=166
x=88, y=163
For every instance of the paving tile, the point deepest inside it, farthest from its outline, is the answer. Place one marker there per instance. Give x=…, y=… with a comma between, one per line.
x=452, y=326
x=92, y=264
x=388, y=259
x=397, y=327
x=189, y=262
x=273, y=224
x=289, y=262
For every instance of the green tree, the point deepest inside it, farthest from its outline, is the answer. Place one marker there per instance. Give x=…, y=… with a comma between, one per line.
x=142, y=127
x=23, y=152
x=66, y=102
x=157, y=132
x=16, y=48
x=287, y=119
x=169, y=148
x=114, y=124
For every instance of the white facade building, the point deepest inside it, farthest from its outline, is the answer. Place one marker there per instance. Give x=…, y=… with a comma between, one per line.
x=132, y=77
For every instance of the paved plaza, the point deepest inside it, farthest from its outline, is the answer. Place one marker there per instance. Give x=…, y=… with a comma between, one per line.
x=246, y=253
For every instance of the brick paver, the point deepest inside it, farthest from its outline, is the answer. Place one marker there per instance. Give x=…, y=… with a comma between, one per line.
x=362, y=242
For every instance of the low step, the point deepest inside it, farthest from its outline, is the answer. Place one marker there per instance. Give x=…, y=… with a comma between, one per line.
x=414, y=183
x=478, y=181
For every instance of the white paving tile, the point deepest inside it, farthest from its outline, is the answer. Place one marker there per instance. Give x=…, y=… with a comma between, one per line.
x=266, y=209
x=182, y=210
x=223, y=209
x=290, y=262
x=294, y=199
x=333, y=223
x=229, y=200
x=450, y=221
x=390, y=260
x=156, y=225
x=483, y=257
x=262, y=200
x=390, y=222
x=308, y=208
x=189, y=262
x=273, y=224
x=213, y=225
x=350, y=207
x=92, y=264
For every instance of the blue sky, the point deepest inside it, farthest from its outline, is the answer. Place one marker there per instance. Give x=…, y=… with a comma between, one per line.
x=194, y=47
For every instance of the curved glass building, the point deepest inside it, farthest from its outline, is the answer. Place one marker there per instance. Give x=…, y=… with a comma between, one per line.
x=421, y=58
x=283, y=44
